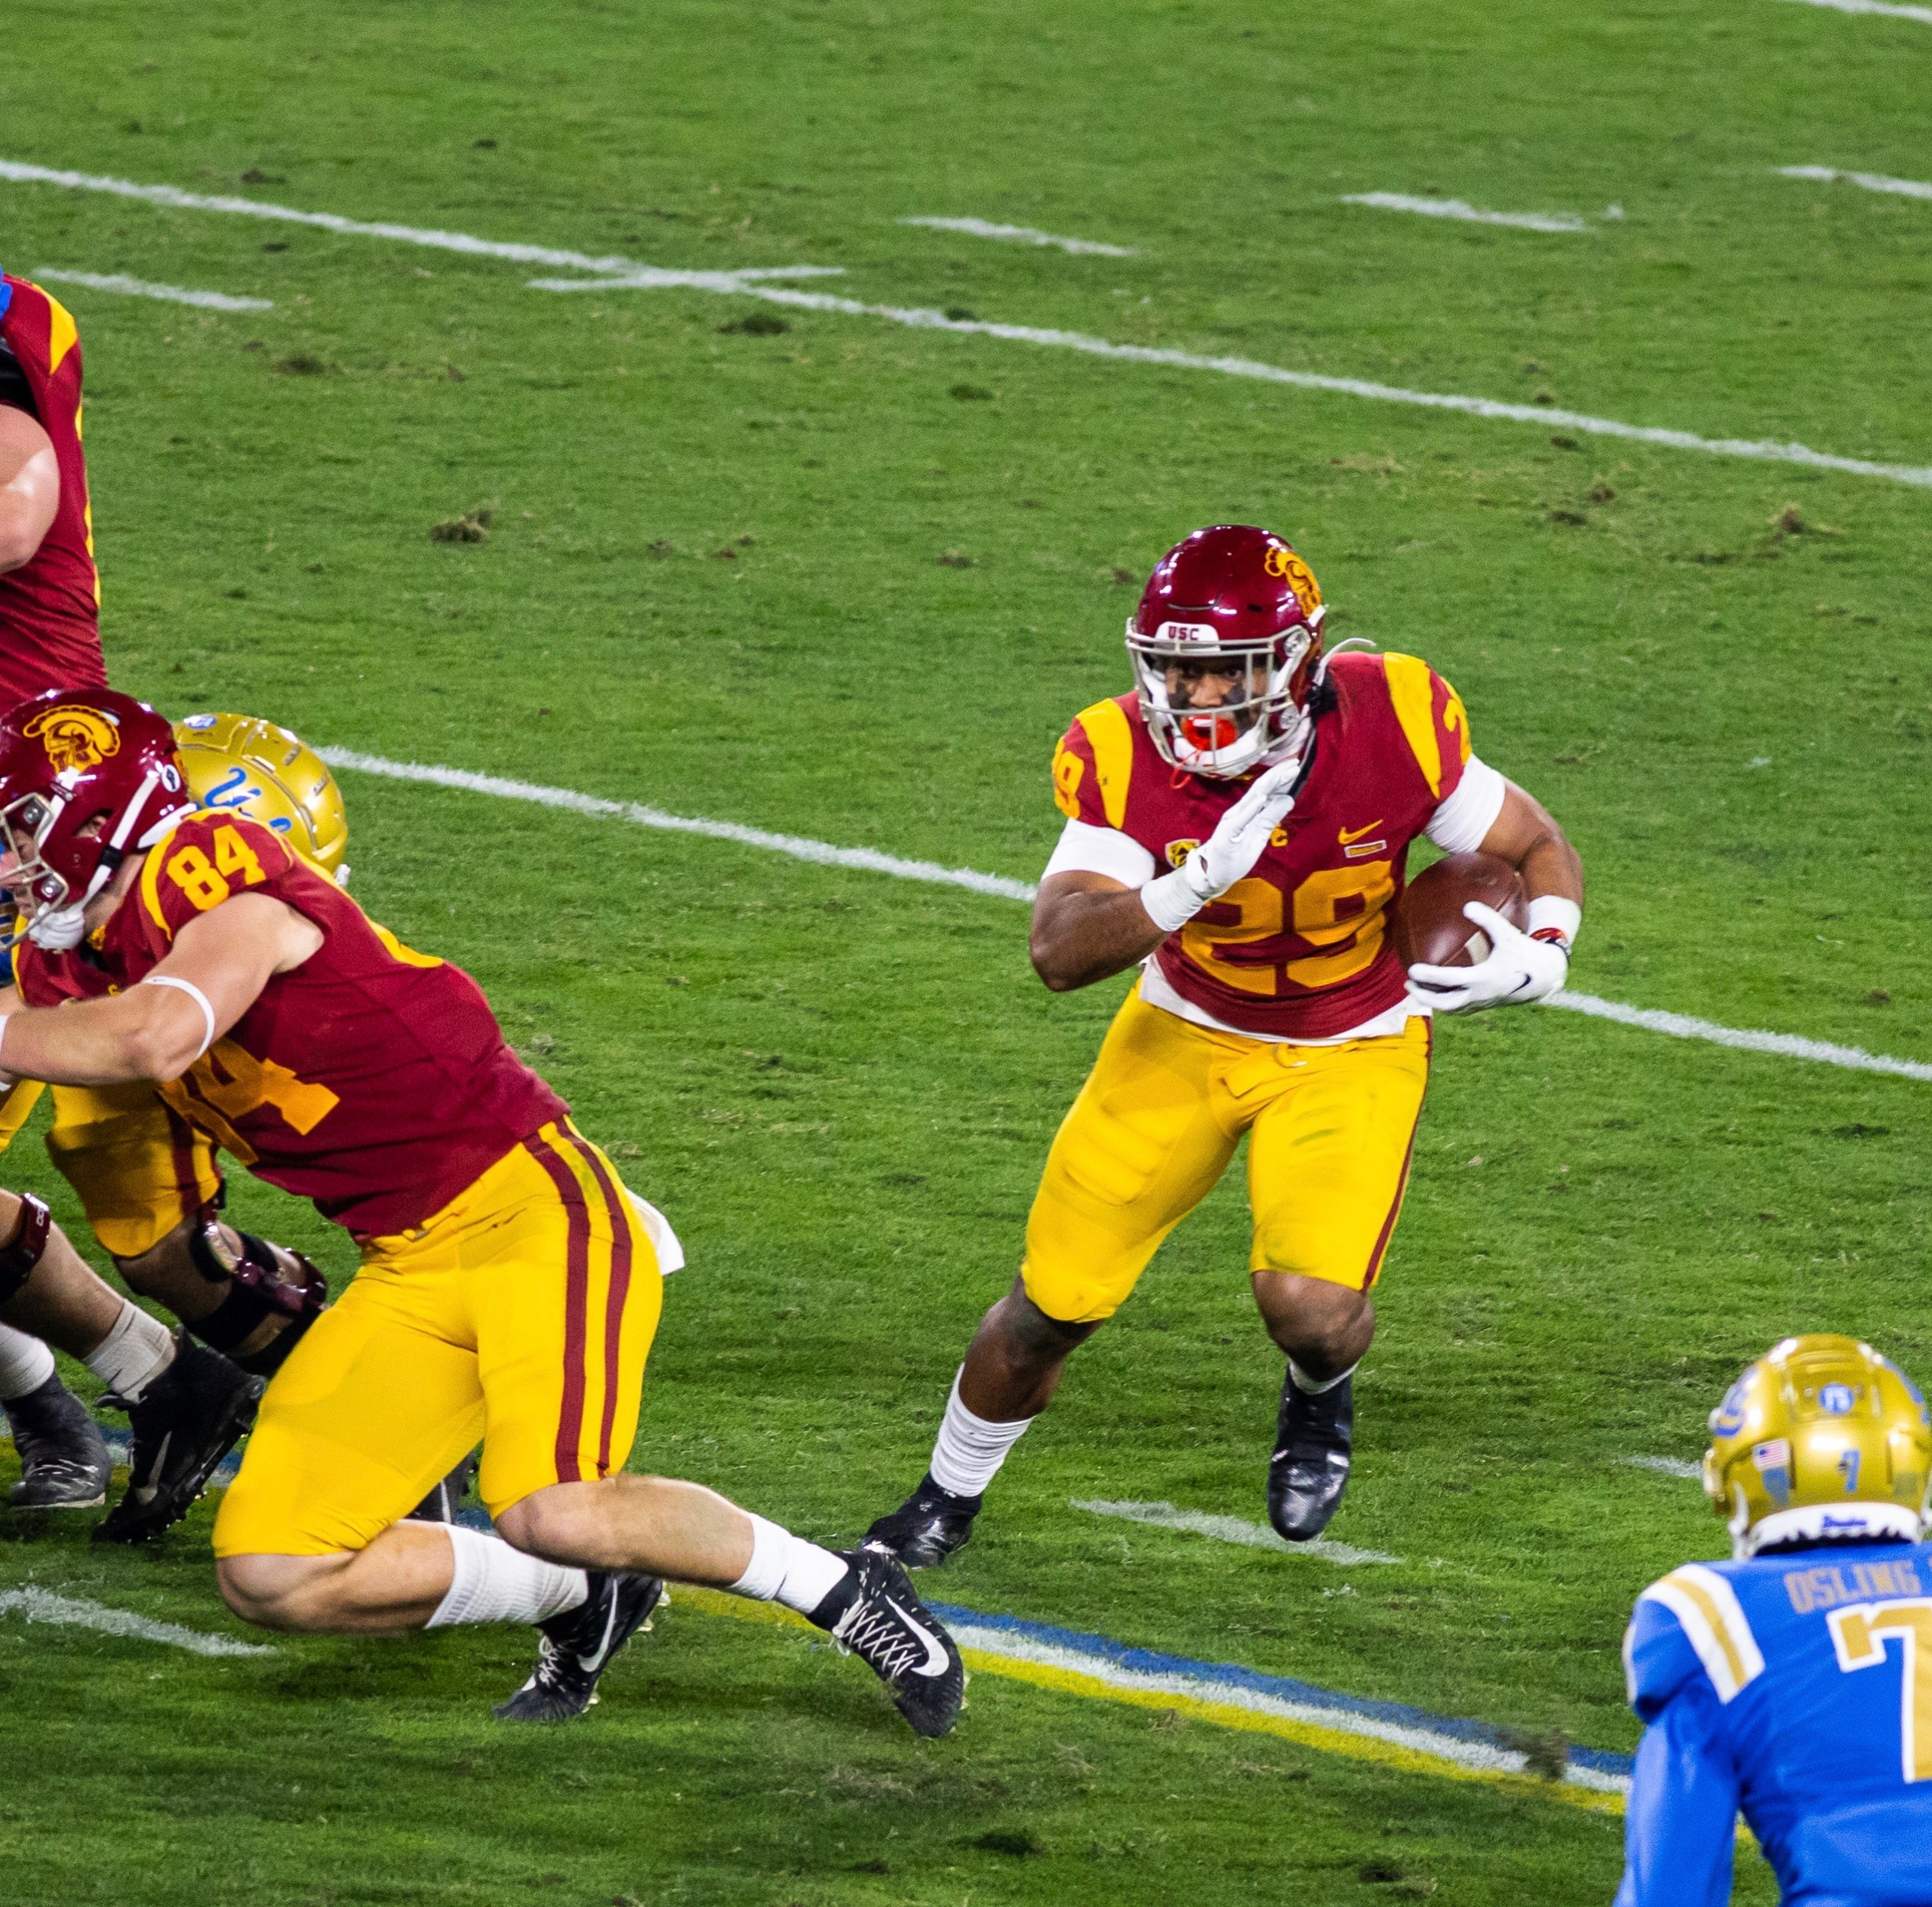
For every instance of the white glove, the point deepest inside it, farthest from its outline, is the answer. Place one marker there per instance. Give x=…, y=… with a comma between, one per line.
x=1228, y=855
x=1518, y=970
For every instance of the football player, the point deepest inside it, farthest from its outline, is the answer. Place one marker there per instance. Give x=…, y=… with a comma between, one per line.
x=1794, y=1682
x=151, y=1188
x=1237, y=827
x=509, y=1285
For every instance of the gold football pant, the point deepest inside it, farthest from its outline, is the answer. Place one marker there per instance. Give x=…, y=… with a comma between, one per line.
x=521, y=1313
x=138, y=1167
x=1330, y=1130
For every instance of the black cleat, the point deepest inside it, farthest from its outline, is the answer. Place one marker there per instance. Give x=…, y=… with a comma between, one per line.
x=874, y=1615
x=1309, y=1469
x=442, y=1503
x=576, y=1647
x=64, y=1463
x=186, y=1421
x=930, y=1525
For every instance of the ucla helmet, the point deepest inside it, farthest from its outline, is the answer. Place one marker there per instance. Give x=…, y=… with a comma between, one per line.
x=241, y=765
x=1821, y=1440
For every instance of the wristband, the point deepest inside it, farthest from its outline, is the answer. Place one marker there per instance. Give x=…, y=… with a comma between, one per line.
x=1170, y=901
x=1552, y=917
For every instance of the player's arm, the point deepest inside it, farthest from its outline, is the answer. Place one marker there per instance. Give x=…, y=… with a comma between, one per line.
x=1088, y=924
x=1680, y=1828
x=1489, y=812
x=29, y=486
x=214, y=973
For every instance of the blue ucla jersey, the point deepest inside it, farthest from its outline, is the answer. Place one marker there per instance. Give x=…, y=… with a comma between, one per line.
x=1797, y=1688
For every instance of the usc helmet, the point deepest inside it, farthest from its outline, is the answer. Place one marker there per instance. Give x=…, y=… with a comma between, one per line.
x=244, y=766
x=87, y=778
x=1821, y=1440
x=1237, y=592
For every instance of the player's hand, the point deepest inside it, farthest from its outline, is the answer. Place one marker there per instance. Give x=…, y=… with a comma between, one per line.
x=1519, y=970
x=1228, y=855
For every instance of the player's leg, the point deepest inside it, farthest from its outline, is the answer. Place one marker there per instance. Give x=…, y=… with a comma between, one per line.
x=1140, y=1148
x=64, y=1461
x=148, y=1182
x=176, y=1393
x=555, y=1280
x=1328, y=1163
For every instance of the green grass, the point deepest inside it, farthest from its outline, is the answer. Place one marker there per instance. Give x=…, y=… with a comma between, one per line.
x=841, y=1086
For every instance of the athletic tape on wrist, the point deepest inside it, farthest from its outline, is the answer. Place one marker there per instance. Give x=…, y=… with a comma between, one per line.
x=1170, y=901
x=194, y=993
x=1553, y=917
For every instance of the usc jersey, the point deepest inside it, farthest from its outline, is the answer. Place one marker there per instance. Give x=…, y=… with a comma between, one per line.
x=50, y=619
x=1299, y=949
x=372, y=1079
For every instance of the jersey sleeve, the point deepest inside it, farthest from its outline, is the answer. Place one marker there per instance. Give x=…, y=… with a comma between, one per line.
x=1433, y=721
x=1084, y=849
x=1680, y=1830
x=206, y=860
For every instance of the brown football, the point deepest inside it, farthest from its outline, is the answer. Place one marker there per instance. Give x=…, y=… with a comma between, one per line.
x=1429, y=926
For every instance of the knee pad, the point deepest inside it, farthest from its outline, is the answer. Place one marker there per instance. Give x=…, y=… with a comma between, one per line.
x=265, y=1280
x=22, y=1252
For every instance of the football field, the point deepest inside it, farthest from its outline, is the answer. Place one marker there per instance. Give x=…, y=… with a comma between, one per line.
x=654, y=404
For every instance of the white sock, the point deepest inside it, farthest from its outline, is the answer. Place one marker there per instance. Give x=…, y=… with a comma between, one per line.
x=785, y=1568
x=969, y=1450
x=1315, y=1386
x=25, y=1364
x=133, y=1355
x=492, y=1582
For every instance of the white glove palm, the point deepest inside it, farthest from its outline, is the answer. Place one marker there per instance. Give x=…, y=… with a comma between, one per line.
x=1517, y=971
x=1228, y=855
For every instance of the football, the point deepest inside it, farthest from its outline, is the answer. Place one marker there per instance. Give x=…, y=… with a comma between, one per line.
x=1429, y=925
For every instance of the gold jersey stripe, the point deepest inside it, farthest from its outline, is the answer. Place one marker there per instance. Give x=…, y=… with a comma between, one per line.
x=1412, y=690
x=1112, y=738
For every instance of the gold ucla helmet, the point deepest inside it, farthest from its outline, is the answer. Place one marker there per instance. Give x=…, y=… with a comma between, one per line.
x=1820, y=1440
x=244, y=766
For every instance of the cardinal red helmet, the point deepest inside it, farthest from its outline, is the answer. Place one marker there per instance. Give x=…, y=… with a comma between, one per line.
x=1242, y=594
x=86, y=779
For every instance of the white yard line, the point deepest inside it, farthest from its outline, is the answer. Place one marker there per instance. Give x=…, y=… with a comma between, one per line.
x=870, y=860
x=1788, y=1045
x=1232, y=1529
x=625, y=274
x=176, y=199
x=1667, y=1466
x=1458, y=208
x=1871, y=181
x=43, y=1606
x=1023, y=235
x=1922, y=15
x=172, y=294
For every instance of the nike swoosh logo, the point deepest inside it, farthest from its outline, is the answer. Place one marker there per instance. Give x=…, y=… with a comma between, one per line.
x=590, y=1664
x=937, y=1661
x=1345, y=835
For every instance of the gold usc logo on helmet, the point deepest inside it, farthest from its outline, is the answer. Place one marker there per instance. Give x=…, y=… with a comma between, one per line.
x=1820, y=1438
x=238, y=764
x=1280, y=560
x=76, y=738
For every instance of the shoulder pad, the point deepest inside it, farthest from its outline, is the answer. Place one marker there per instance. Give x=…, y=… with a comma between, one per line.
x=202, y=861
x=1433, y=721
x=1108, y=731
x=1689, y=1621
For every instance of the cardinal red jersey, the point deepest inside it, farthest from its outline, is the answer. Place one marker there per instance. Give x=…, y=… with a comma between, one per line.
x=372, y=1079
x=50, y=619
x=1300, y=948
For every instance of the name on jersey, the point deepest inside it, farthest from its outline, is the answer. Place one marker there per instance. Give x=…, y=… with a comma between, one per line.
x=1842, y=1582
